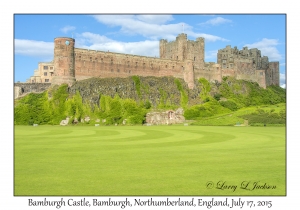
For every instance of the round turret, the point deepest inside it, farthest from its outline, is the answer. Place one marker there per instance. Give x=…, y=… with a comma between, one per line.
x=64, y=61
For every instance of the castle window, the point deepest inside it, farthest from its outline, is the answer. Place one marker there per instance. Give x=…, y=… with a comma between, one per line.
x=194, y=58
x=46, y=80
x=51, y=68
x=101, y=59
x=80, y=57
x=173, y=67
x=177, y=57
x=45, y=73
x=45, y=67
x=166, y=66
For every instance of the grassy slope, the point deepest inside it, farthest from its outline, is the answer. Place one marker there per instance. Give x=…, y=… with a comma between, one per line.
x=153, y=160
x=234, y=117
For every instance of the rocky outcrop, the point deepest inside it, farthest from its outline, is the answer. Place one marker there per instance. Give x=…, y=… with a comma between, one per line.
x=154, y=89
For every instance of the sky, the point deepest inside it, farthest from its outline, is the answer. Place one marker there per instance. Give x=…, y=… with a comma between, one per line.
x=139, y=34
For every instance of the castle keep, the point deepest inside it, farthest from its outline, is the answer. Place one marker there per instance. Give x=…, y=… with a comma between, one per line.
x=181, y=58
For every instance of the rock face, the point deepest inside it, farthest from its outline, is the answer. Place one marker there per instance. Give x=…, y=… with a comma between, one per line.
x=154, y=89
x=65, y=122
x=165, y=118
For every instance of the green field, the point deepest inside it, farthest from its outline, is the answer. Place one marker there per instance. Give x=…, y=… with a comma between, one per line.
x=149, y=160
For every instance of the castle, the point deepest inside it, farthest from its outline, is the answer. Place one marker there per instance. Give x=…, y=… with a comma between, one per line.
x=181, y=58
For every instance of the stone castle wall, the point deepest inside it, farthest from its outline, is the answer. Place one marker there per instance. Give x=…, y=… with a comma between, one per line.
x=181, y=58
x=92, y=63
x=21, y=89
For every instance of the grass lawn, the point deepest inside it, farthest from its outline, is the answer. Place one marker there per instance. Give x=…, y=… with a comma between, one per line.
x=149, y=160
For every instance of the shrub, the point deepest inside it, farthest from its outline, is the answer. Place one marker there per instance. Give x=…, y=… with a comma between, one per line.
x=229, y=104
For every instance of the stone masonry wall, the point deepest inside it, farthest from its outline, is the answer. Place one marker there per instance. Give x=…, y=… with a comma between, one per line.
x=181, y=58
x=92, y=63
x=21, y=89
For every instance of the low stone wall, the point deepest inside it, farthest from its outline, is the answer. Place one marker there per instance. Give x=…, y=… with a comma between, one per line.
x=165, y=118
x=21, y=89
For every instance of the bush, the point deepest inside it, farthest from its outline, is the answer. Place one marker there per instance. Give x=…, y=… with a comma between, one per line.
x=229, y=104
x=217, y=96
x=263, y=117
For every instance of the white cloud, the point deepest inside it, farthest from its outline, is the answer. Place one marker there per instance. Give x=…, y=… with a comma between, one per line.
x=147, y=26
x=212, y=54
x=208, y=37
x=152, y=26
x=34, y=48
x=155, y=19
x=216, y=21
x=66, y=29
x=267, y=48
x=92, y=41
x=282, y=80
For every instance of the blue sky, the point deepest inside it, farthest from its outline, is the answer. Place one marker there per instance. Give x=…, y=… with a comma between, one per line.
x=140, y=35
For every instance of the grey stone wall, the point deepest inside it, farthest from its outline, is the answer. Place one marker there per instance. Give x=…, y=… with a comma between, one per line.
x=21, y=89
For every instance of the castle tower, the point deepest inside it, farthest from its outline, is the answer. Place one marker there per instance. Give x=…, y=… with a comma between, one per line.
x=188, y=73
x=199, y=54
x=162, y=48
x=181, y=41
x=64, y=62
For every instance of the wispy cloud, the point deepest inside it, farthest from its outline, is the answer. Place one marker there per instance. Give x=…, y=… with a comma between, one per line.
x=216, y=21
x=209, y=37
x=212, y=54
x=155, y=19
x=34, y=48
x=282, y=80
x=66, y=29
x=152, y=27
x=99, y=42
x=268, y=48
